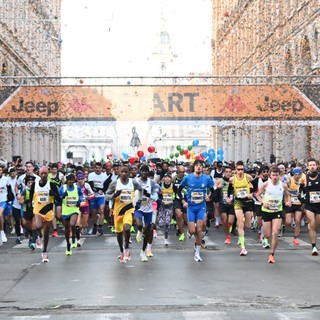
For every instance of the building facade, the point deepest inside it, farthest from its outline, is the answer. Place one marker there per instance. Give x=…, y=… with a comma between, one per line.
x=30, y=46
x=256, y=42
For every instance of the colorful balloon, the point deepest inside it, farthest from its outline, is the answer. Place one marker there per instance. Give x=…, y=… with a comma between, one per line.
x=190, y=147
x=151, y=149
x=171, y=156
x=195, y=142
x=177, y=154
x=220, y=157
x=140, y=153
x=220, y=152
x=178, y=147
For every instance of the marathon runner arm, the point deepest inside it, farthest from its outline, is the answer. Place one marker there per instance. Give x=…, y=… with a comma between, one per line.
x=54, y=191
x=211, y=193
x=107, y=183
x=230, y=189
x=110, y=192
x=10, y=195
x=179, y=192
x=95, y=189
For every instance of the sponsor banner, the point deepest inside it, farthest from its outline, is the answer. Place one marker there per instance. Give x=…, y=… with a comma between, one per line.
x=147, y=103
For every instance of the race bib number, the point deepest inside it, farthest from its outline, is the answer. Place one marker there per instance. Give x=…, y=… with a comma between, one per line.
x=43, y=197
x=97, y=184
x=167, y=198
x=295, y=200
x=242, y=193
x=314, y=197
x=274, y=205
x=225, y=196
x=196, y=197
x=71, y=201
x=125, y=196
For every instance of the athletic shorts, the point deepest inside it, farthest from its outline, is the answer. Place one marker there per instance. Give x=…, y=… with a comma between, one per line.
x=313, y=207
x=97, y=202
x=292, y=209
x=28, y=215
x=58, y=203
x=177, y=204
x=85, y=210
x=3, y=205
x=46, y=217
x=146, y=217
x=120, y=221
x=8, y=209
x=257, y=210
x=245, y=206
x=216, y=197
x=196, y=212
x=226, y=208
x=68, y=216
x=269, y=216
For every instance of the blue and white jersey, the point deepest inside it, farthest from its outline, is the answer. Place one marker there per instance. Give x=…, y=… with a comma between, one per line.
x=196, y=188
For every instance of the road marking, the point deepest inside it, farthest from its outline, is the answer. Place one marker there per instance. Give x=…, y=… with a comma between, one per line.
x=23, y=245
x=295, y=315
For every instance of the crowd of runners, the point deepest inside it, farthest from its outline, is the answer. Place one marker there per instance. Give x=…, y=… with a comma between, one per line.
x=139, y=198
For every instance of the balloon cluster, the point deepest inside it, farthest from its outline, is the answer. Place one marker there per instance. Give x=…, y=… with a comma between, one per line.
x=139, y=157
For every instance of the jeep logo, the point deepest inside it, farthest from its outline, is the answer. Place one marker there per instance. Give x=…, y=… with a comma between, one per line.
x=286, y=105
x=41, y=107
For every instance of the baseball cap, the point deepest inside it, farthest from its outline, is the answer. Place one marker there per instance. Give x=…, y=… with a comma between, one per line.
x=296, y=171
x=167, y=175
x=219, y=164
x=198, y=162
x=29, y=178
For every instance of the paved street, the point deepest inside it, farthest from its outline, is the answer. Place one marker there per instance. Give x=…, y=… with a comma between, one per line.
x=91, y=284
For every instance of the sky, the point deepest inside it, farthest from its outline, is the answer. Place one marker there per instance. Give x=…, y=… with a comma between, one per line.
x=110, y=38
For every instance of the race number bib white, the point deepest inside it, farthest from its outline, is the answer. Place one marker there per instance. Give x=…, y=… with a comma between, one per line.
x=125, y=196
x=43, y=197
x=274, y=205
x=167, y=198
x=71, y=201
x=196, y=197
x=97, y=184
x=242, y=193
x=295, y=200
x=314, y=196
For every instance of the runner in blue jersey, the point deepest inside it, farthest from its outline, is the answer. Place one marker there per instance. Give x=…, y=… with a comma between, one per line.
x=196, y=184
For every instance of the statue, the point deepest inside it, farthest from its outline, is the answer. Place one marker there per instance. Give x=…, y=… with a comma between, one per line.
x=135, y=140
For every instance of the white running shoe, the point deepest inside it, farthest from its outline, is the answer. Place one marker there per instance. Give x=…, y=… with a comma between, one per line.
x=143, y=256
x=166, y=242
x=139, y=236
x=3, y=237
x=197, y=257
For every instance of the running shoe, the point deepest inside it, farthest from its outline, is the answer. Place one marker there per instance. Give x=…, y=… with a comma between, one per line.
x=243, y=252
x=228, y=240
x=32, y=246
x=166, y=242
x=296, y=242
x=105, y=221
x=68, y=252
x=139, y=236
x=265, y=244
x=3, y=237
x=13, y=232
x=302, y=223
x=143, y=256
x=18, y=240
x=78, y=245
x=238, y=243
x=73, y=245
x=54, y=234
x=197, y=257
x=113, y=230
x=314, y=251
x=203, y=244
x=155, y=234
x=149, y=253
x=39, y=243
x=217, y=225
x=127, y=255
x=271, y=259
x=45, y=257
x=100, y=232
x=189, y=236
x=94, y=230
x=121, y=258
x=132, y=229
x=173, y=222
x=182, y=237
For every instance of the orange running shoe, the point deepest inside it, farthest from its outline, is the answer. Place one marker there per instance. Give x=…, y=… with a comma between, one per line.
x=271, y=259
x=228, y=240
x=296, y=242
